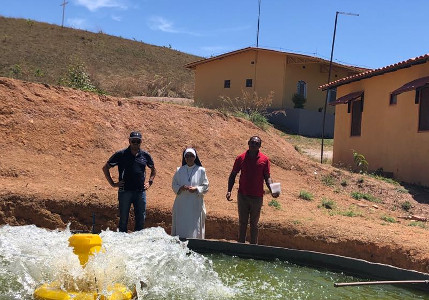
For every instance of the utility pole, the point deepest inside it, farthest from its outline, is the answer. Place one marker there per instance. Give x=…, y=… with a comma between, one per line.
x=257, y=30
x=64, y=7
x=329, y=77
x=257, y=46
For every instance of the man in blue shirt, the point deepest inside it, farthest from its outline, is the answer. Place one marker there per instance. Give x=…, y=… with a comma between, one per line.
x=132, y=163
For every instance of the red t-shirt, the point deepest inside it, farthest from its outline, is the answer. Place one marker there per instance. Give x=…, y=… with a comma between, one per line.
x=253, y=170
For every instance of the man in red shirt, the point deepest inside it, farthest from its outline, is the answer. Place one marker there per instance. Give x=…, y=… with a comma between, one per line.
x=255, y=169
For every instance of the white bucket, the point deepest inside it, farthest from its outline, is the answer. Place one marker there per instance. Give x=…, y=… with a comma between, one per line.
x=275, y=187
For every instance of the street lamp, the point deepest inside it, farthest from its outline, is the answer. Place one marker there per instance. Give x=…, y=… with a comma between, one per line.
x=329, y=76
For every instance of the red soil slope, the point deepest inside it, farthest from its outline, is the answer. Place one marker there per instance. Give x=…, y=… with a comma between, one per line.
x=54, y=141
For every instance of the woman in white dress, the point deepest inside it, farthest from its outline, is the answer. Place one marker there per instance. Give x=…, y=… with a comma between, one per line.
x=190, y=183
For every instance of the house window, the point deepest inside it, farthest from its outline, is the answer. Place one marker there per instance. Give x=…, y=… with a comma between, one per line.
x=301, y=88
x=356, y=110
x=227, y=84
x=424, y=109
x=248, y=82
x=332, y=95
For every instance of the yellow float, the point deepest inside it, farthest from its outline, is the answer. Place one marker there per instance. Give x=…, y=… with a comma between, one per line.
x=83, y=245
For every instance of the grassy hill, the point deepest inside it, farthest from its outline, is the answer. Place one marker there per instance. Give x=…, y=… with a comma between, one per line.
x=46, y=53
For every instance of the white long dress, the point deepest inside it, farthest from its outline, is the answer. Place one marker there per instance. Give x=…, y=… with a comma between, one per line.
x=189, y=211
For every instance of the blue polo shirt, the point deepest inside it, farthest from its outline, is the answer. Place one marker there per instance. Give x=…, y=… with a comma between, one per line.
x=132, y=169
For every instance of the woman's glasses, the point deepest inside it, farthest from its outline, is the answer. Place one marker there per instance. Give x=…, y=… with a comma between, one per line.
x=189, y=156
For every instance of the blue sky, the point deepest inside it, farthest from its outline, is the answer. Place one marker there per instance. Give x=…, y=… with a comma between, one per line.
x=385, y=32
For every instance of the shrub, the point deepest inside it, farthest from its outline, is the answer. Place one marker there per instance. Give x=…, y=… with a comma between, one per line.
x=406, y=205
x=15, y=71
x=328, y=180
x=328, y=204
x=259, y=120
x=38, y=73
x=360, y=162
x=274, y=203
x=350, y=213
x=402, y=190
x=78, y=78
x=359, y=195
x=344, y=183
x=388, y=219
x=249, y=106
x=417, y=224
x=305, y=195
x=247, y=103
x=298, y=101
x=385, y=179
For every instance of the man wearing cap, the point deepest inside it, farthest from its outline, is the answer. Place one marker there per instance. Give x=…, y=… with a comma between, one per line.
x=132, y=163
x=255, y=169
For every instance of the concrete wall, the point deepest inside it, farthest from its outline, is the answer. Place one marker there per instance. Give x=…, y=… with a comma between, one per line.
x=389, y=133
x=304, y=122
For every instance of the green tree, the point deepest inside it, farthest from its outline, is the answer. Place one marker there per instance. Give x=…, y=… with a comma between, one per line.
x=298, y=101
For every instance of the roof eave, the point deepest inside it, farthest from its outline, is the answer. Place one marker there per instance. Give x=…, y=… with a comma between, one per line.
x=193, y=65
x=364, y=75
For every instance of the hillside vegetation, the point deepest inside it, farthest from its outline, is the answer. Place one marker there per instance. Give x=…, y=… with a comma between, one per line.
x=46, y=53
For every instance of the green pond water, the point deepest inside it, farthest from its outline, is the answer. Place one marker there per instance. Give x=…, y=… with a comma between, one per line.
x=257, y=279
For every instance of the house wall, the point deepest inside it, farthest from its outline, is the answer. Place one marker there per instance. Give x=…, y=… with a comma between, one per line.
x=272, y=74
x=389, y=137
x=210, y=77
x=313, y=75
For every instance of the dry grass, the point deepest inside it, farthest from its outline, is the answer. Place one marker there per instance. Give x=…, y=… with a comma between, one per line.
x=41, y=52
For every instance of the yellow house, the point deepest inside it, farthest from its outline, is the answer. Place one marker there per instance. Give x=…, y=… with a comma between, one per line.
x=384, y=115
x=263, y=71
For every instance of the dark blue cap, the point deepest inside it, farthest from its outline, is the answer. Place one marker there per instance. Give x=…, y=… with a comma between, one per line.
x=135, y=135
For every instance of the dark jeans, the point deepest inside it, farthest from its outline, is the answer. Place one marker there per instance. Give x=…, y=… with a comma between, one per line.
x=138, y=199
x=248, y=206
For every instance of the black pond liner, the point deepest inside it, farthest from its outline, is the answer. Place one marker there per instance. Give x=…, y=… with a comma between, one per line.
x=350, y=266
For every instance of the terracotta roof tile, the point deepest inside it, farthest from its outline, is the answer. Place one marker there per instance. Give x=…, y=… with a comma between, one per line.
x=192, y=65
x=390, y=68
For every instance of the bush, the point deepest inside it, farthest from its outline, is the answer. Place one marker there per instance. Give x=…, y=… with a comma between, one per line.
x=350, y=213
x=360, y=162
x=417, y=224
x=406, y=205
x=328, y=204
x=248, y=102
x=306, y=195
x=274, y=203
x=15, y=71
x=328, y=180
x=368, y=197
x=298, y=101
x=78, y=78
x=388, y=219
x=249, y=106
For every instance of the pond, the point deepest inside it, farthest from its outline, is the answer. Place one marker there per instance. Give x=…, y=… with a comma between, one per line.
x=31, y=256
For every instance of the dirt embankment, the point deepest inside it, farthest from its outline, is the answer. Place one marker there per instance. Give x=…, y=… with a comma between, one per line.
x=55, y=140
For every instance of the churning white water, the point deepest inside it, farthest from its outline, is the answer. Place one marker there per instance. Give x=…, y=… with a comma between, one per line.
x=31, y=256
